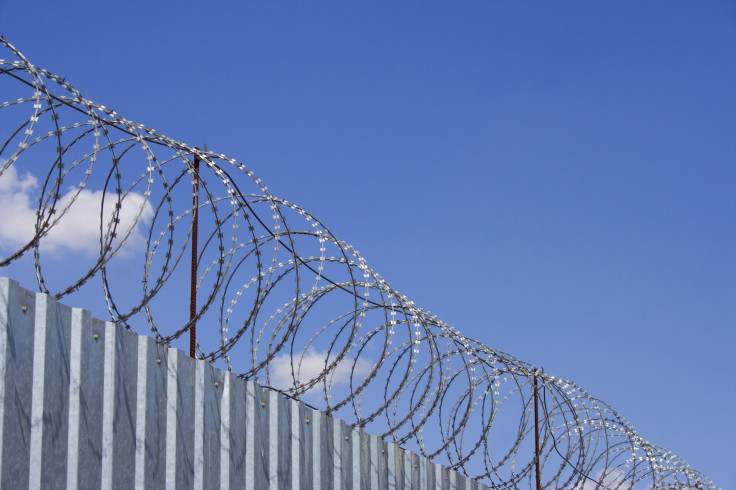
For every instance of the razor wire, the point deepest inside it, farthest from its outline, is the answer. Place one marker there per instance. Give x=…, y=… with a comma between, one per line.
x=283, y=301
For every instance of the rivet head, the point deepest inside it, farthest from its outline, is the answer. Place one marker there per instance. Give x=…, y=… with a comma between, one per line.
x=347, y=438
x=306, y=421
x=217, y=384
x=24, y=308
x=263, y=404
x=158, y=361
x=96, y=336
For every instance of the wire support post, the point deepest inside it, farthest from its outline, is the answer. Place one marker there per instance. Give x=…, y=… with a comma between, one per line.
x=193, y=285
x=536, y=431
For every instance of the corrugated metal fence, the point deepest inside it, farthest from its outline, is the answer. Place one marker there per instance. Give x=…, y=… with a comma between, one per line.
x=86, y=404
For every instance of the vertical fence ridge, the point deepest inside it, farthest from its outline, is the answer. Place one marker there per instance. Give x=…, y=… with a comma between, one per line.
x=140, y=413
x=199, y=425
x=5, y=285
x=108, y=410
x=171, y=391
x=37, y=393
x=225, y=433
x=75, y=371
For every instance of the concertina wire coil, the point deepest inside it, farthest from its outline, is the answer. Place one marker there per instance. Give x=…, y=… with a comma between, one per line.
x=283, y=302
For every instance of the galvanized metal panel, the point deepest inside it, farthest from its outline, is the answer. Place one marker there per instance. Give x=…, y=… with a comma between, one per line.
x=260, y=440
x=471, y=484
x=374, y=461
x=108, y=409
x=346, y=466
x=72, y=439
x=172, y=367
x=273, y=442
x=225, y=446
x=337, y=455
x=327, y=452
x=90, y=402
x=184, y=422
x=294, y=440
x=301, y=420
x=198, y=427
x=316, y=424
x=17, y=325
x=125, y=404
x=413, y=469
x=383, y=460
x=54, y=424
x=141, y=403
x=211, y=432
x=75, y=368
x=237, y=433
x=283, y=440
x=393, y=477
x=155, y=438
x=424, y=475
x=365, y=461
x=406, y=469
x=440, y=477
x=356, y=458
x=108, y=406
x=250, y=433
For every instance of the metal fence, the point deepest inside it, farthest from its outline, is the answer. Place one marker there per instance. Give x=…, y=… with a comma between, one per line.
x=88, y=404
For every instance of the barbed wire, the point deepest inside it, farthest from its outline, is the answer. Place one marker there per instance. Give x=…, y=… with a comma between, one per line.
x=282, y=301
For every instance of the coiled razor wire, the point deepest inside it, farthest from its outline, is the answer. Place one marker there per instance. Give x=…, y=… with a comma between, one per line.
x=284, y=302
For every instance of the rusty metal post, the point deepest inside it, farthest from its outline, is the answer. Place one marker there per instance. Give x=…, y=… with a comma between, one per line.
x=193, y=288
x=536, y=432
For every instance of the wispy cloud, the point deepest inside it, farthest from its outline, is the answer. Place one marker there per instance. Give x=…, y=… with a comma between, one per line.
x=612, y=479
x=79, y=229
x=311, y=365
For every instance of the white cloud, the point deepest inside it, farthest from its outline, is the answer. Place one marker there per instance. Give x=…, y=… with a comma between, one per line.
x=78, y=230
x=312, y=365
x=614, y=478
x=18, y=216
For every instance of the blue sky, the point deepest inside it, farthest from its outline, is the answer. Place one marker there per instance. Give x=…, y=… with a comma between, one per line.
x=556, y=180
